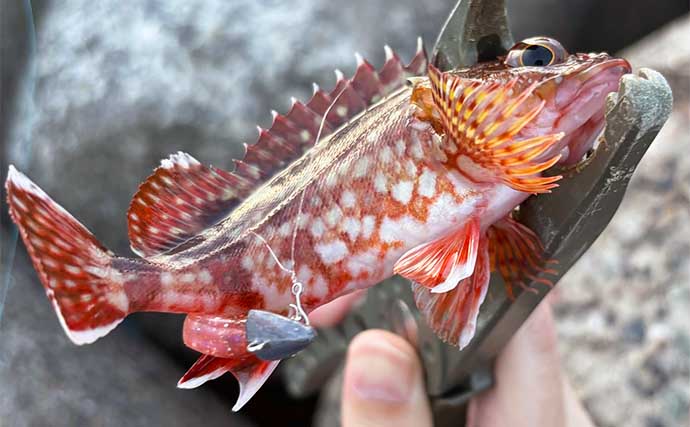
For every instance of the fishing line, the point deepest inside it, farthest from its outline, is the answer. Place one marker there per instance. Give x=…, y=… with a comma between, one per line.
x=27, y=111
x=297, y=286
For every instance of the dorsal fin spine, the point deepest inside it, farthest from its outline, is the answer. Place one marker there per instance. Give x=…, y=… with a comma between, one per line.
x=285, y=129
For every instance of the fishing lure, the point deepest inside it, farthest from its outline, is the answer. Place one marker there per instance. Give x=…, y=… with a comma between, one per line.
x=405, y=170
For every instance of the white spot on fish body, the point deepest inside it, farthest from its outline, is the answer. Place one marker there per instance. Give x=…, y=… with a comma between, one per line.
x=284, y=229
x=381, y=183
x=332, y=252
x=319, y=288
x=348, y=199
x=303, y=220
x=317, y=228
x=205, y=277
x=352, y=227
x=402, y=191
x=386, y=155
x=427, y=183
x=166, y=278
x=363, y=262
x=187, y=278
x=400, y=147
x=304, y=274
x=368, y=223
x=333, y=216
x=406, y=230
x=416, y=149
x=361, y=167
x=411, y=168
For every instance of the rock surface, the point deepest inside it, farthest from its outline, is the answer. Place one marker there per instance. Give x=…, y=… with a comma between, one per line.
x=623, y=310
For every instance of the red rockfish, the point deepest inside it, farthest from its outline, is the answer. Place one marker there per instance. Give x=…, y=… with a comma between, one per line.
x=403, y=170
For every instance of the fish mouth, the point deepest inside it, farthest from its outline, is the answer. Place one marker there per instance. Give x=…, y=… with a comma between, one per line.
x=578, y=106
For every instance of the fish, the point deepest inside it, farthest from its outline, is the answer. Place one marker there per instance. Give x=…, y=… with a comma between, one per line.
x=403, y=170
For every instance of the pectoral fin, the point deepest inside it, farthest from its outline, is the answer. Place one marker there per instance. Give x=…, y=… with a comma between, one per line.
x=453, y=315
x=441, y=264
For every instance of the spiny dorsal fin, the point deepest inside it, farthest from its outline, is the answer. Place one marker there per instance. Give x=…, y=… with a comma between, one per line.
x=183, y=197
x=292, y=134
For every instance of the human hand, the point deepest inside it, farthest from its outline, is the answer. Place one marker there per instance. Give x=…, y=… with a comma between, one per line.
x=384, y=386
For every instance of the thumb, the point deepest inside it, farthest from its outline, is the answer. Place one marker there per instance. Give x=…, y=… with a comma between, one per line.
x=383, y=383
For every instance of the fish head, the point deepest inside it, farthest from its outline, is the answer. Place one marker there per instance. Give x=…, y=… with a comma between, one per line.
x=572, y=88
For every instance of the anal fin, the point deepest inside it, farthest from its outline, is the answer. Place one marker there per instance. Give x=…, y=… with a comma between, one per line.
x=453, y=314
x=441, y=264
x=250, y=374
x=223, y=342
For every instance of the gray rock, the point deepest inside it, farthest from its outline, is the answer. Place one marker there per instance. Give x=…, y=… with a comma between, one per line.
x=45, y=380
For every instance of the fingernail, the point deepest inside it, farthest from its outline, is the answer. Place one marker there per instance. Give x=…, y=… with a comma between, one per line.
x=382, y=372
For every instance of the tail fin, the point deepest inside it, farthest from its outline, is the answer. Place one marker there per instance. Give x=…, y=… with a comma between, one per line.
x=87, y=293
x=251, y=374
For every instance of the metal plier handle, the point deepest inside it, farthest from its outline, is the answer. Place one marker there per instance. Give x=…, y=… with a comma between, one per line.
x=568, y=221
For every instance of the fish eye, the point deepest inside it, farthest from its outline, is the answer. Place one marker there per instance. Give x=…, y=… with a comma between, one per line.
x=536, y=52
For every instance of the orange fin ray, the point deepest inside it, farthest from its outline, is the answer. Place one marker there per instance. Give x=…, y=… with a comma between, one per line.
x=483, y=118
x=441, y=264
x=517, y=254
